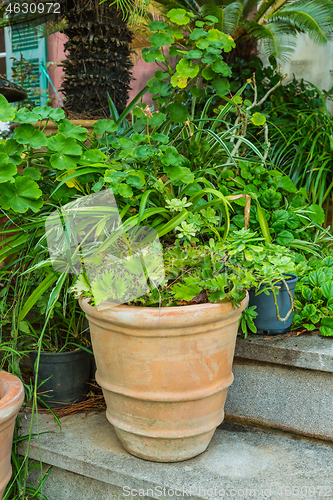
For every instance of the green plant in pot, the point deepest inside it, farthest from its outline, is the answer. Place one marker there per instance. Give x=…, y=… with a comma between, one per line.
x=166, y=352
x=274, y=272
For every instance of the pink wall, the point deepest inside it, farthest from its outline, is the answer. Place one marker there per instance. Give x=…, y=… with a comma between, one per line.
x=55, y=54
x=142, y=71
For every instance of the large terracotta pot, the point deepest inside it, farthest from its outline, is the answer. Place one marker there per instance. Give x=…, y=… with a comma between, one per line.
x=11, y=399
x=165, y=374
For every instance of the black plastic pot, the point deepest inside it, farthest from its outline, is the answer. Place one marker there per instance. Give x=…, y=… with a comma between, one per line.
x=266, y=321
x=69, y=372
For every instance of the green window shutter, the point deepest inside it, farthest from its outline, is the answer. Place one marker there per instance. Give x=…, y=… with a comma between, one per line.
x=23, y=41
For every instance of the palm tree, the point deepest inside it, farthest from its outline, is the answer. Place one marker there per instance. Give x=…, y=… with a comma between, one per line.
x=99, y=54
x=275, y=22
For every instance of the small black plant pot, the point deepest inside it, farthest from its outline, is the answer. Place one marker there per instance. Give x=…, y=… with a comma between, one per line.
x=266, y=321
x=69, y=372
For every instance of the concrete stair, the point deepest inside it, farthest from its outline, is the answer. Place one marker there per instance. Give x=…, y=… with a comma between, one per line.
x=241, y=462
x=279, y=384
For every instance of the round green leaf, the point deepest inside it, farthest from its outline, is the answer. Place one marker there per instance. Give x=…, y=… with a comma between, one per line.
x=284, y=238
x=7, y=112
x=160, y=39
x=177, y=112
x=286, y=184
x=33, y=173
x=258, y=119
x=13, y=150
x=68, y=129
x=179, y=16
x=157, y=25
x=7, y=171
x=63, y=162
x=158, y=87
x=186, y=69
x=27, y=134
x=102, y=126
x=221, y=85
x=151, y=55
x=198, y=33
x=24, y=115
x=64, y=145
x=21, y=195
x=222, y=68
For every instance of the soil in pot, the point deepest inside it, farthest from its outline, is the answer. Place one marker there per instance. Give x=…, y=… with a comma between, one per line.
x=11, y=399
x=67, y=374
x=165, y=374
x=266, y=321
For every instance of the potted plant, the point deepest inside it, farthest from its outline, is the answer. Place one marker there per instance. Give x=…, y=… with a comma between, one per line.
x=11, y=399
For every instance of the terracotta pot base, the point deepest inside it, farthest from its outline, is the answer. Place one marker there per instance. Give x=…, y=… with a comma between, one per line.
x=165, y=374
x=11, y=399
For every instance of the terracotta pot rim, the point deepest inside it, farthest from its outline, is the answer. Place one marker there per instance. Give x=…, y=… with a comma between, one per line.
x=13, y=398
x=206, y=305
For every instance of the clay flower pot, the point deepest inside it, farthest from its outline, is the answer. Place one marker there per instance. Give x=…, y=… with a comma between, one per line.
x=165, y=374
x=11, y=399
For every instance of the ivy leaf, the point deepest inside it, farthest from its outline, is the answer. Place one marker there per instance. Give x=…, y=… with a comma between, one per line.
x=21, y=195
x=186, y=292
x=7, y=112
x=177, y=112
x=186, y=69
x=27, y=134
x=68, y=129
x=258, y=119
x=222, y=68
x=284, y=238
x=64, y=145
x=179, y=16
x=103, y=126
x=151, y=55
x=221, y=85
x=33, y=173
x=157, y=26
x=158, y=40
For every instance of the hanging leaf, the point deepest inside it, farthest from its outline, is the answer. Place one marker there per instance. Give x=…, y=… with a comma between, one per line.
x=7, y=112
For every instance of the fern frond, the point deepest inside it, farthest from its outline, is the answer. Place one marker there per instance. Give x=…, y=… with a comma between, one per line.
x=232, y=14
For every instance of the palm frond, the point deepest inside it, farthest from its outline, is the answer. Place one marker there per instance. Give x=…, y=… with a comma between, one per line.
x=265, y=8
x=279, y=40
x=308, y=16
x=231, y=16
x=248, y=7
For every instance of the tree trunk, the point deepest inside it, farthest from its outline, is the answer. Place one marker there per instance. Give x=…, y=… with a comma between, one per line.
x=99, y=59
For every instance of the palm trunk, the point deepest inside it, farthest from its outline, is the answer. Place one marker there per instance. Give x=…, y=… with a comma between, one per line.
x=99, y=59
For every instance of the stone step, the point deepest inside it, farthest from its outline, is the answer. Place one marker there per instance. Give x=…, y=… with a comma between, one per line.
x=241, y=461
x=284, y=383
